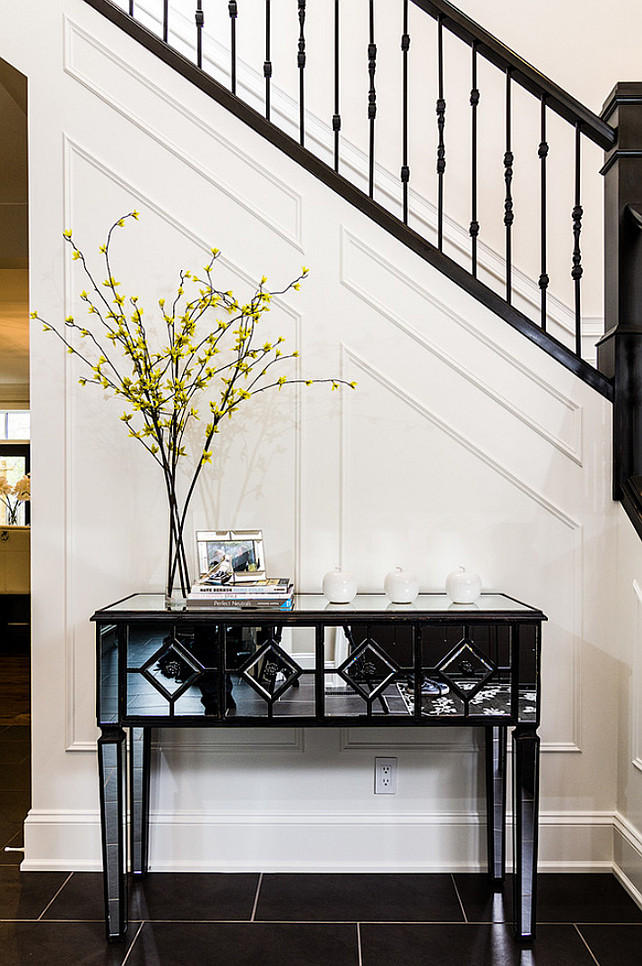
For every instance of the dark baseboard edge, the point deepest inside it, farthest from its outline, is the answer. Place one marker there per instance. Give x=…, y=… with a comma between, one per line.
x=385, y=219
x=631, y=500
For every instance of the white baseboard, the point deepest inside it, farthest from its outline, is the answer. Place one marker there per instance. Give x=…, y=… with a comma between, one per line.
x=627, y=856
x=338, y=842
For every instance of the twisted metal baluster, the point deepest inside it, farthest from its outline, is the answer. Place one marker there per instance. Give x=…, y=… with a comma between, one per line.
x=267, y=66
x=372, y=98
x=508, y=177
x=441, y=147
x=577, y=270
x=474, y=224
x=301, y=65
x=165, y=19
x=405, y=170
x=336, y=117
x=232, y=9
x=200, y=21
x=542, y=153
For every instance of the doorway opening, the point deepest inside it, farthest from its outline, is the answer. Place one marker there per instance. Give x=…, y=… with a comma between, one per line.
x=15, y=516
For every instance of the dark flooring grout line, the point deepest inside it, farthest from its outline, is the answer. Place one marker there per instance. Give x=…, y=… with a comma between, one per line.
x=55, y=896
x=133, y=943
x=589, y=950
x=463, y=911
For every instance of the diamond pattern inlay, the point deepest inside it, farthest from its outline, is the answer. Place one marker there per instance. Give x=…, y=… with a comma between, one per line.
x=172, y=669
x=368, y=670
x=270, y=671
x=466, y=669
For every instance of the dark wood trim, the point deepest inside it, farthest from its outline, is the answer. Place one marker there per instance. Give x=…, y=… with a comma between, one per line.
x=631, y=499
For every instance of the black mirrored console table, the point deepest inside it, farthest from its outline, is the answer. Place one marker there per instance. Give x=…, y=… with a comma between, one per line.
x=369, y=663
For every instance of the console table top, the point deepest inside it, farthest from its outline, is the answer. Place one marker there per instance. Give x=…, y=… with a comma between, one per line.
x=316, y=607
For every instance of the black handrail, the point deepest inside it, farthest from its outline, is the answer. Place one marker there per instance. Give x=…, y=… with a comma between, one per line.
x=522, y=72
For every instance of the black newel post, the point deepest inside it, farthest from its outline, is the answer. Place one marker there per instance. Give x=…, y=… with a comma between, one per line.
x=619, y=351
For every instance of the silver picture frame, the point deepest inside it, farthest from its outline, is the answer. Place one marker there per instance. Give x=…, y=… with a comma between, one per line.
x=230, y=556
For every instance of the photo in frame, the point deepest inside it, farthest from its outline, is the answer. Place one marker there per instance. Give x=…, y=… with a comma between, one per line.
x=230, y=556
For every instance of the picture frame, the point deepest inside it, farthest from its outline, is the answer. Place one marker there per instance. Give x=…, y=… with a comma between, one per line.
x=229, y=557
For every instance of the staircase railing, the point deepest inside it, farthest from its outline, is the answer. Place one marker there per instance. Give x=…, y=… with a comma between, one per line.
x=432, y=232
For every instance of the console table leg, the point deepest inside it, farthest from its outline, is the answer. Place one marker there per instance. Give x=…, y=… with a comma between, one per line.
x=111, y=756
x=496, y=801
x=139, y=766
x=525, y=816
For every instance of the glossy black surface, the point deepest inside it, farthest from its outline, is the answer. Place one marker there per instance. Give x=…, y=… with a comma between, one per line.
x=428, y=664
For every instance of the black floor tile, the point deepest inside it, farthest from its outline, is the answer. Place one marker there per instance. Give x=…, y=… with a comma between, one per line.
x=162, y=895
x=418, y=944
x=25, y=895
x=330, y=897
x=60, y=944
x=561, y=897
x=597, y=897
x=245, y=944
x=614, y=945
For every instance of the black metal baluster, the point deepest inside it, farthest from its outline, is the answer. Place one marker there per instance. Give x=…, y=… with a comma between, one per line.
x=405, y=170
x=508, y=177
x=301, y=65
x=542, y=153
x=441, y=147
x=474, y=224
x=200, y=21
x=165, y=19
x=336, y=117
x=267, y=66
x=131, y=8
x=372, y=98
x=577, y=270
x=232, y=9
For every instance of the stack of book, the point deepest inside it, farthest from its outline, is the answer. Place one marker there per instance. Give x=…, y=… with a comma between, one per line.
x=269, y=592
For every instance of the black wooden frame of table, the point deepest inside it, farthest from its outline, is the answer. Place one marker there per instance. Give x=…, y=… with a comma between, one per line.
x=497, y=646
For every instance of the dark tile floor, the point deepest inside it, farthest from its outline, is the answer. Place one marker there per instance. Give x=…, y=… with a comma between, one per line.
x=275, y=919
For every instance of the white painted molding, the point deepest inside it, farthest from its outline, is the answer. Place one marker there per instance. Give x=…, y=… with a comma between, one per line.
x=244, y=741
x=75, y=34
x=72, y=151
x=380, y=264
x=636, y=688
x=565, y=518
x=448, y=841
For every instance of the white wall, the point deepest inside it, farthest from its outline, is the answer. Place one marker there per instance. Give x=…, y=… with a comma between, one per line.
x=463, y=443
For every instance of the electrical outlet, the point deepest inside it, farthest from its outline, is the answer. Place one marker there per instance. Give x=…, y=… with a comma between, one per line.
x=385, y=776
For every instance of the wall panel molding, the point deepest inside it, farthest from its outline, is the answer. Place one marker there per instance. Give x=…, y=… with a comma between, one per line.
x=73, y=152
x=290, y=200
x=363, y=290
x=572, y=524
x=451, y=430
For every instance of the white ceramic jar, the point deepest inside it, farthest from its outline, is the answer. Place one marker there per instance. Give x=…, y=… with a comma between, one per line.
x=339, y=587
x=401, y=587
x=462, y=586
